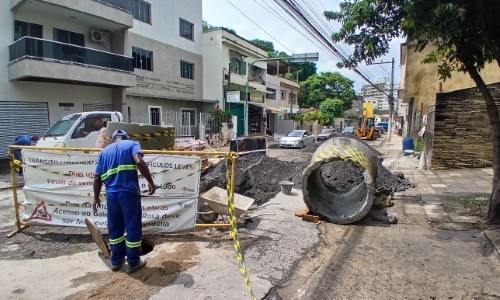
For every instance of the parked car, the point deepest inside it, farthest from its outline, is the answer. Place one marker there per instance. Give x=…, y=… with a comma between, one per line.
x=326, y=133
x=297, y=138
x=348, y=131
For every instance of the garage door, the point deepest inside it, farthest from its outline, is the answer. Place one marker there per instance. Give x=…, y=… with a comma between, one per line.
x=97, y=107
x=20, y=118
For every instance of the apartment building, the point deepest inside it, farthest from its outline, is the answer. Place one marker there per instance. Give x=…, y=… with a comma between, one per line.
x=282, y=95
x=143, y=58
x=225, y=77
x=372, y=94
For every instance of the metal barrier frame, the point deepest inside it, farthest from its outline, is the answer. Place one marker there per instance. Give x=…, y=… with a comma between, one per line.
x=20, y=225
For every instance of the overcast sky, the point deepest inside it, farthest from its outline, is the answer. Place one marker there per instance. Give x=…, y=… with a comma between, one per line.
x=290, y=38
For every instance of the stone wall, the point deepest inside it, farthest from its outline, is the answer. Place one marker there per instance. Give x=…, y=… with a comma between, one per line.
x=462, y=134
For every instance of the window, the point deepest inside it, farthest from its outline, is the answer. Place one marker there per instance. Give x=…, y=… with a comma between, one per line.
x=271, y=94
x=188, y=116
x=283, y=95
x=187, y=70
x=69, y=37
x=143, y=59
x=142, y=11
x=27, y=29
x=155, y=115
x=292, y=98
x=238, y=66
x=186, y=29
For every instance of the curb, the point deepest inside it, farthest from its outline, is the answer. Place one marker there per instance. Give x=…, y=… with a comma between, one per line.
x=494, y=237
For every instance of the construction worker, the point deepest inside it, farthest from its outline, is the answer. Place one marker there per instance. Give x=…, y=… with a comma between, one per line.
x=117, y=169
x=23, y=140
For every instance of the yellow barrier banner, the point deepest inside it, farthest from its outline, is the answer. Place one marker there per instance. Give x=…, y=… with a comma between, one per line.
x=175, y=175
x=159, y=214
x=59, y=190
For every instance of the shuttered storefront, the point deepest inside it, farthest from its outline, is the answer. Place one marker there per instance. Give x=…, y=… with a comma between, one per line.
x=97, y=107
x=20, y=118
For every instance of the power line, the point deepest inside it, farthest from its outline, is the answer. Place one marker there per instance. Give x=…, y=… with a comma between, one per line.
x=271, y=11
x=259, y=26
x=297, y=12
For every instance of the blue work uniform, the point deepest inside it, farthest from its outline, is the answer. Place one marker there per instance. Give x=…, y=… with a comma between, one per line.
x=23, y=140
x=118, y=172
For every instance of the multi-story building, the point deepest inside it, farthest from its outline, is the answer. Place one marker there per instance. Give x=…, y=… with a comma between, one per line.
x=225, y=77
x=374, y=95
x=281, y=95
x=143, y=58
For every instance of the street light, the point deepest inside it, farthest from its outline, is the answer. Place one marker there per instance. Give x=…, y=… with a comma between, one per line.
x=295, y=58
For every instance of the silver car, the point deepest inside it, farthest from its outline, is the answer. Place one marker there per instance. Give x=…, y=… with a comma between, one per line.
x=297, y=138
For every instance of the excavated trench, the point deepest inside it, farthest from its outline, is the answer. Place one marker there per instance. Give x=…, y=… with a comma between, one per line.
x=258, y=177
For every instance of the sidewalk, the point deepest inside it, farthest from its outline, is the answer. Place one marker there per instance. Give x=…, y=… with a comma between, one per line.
x=439, y=195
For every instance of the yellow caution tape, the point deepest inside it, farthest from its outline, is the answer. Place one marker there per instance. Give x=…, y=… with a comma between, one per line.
x=147, y=136
x=232, y=218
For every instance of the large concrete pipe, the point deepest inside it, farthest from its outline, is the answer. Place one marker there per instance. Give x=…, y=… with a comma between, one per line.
x=335, y=205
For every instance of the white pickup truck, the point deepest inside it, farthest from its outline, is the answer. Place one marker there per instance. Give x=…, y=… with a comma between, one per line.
x=79, y=130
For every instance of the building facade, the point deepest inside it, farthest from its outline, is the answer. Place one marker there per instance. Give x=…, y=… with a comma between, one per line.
x=374, y=95
x=453, y=112
x=225, y=78
x=143, y=58
x=419, y=84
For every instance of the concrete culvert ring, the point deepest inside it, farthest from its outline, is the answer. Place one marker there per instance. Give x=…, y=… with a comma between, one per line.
x=344, y=203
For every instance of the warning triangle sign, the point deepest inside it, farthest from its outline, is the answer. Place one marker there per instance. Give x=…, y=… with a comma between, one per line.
x=41, y=213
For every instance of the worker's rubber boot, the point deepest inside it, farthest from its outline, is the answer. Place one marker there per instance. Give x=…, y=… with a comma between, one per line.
x=116, y=268
x=134, y=268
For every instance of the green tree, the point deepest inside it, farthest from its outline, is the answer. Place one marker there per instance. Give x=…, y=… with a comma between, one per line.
x=264, y=45
x=206, y=27
x=331, y=108
x=319, y=87
x=464, y=35
x=316, y=115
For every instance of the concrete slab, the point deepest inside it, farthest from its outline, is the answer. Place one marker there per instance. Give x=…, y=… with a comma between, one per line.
x=463, y=219
x=494, y=237
x=413, y=209
x=488, y=171
x=436, y=213
x=438, y=185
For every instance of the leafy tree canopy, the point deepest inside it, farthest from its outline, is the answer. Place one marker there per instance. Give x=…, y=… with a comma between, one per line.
x=332, y=108
x=318, y=88
x=463, y=34
x=267, y=46
x=206, y=27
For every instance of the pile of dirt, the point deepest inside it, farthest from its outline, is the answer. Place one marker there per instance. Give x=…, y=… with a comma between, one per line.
x=388, y=182
x=257, y=176
x=341, y=175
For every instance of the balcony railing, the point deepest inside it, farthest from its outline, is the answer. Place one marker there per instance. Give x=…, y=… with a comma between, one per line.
x=35, y=48
x=123, y=4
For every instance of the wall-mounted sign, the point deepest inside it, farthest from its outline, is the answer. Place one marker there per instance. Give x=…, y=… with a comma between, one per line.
x=233, y=96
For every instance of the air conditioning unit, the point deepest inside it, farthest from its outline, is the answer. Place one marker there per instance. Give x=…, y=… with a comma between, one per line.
x=99, y=36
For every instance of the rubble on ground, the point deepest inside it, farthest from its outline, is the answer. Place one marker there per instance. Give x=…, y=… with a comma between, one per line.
x=258, y=176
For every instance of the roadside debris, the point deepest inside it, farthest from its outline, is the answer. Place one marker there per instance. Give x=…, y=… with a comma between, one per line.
x=258, y=176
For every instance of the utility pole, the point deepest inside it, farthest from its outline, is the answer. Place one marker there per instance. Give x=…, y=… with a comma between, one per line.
x=391, y=102
x=390, y=96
